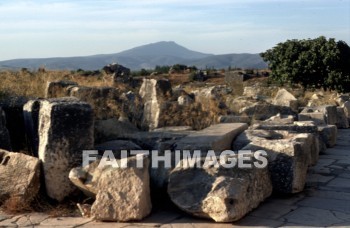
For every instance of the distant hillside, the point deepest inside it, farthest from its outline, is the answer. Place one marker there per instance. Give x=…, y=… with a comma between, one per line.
x=145, y=56
x=233, y=60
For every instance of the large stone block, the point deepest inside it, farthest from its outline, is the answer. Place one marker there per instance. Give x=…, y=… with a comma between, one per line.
x=263, y=111
x=328, y=134
x=342, y=120
x=297, y=127
x=19, y=176
x=318, y=118
x=217, y=137
x=65, y=130
x=288, y=155
x=154, y=93
x=219, y=193
x=5, y=142
x=329, y=113
x=59, y=88
x=123, y=193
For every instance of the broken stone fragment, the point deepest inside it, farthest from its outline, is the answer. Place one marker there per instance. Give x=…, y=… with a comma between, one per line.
x=123, y=194
x=285, y=98
x=19, y=176
x=219, y=193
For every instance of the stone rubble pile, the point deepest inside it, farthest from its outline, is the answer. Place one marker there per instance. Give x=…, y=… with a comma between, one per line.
x=72, y=118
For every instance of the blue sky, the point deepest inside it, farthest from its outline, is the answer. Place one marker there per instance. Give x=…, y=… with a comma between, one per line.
x=53, y=28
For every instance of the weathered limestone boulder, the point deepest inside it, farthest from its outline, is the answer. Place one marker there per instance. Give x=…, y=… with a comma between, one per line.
x=19, y=176
x=31, y=122
x=132, y=107
x=263, y=111
x=219, y=193
x=342, y=120
x=237, y=103
x=5, y=142
x=326, y=114
x=252, y=91
x=65, y=130
x=285, y=98
x=59, y=88
x=13, y=108
x=288, y=156
x=208, y=97
x=117, y=69
x=328, y=134
x=217, y=137
x=154, y=93
x=86, y=178
x=123, y=193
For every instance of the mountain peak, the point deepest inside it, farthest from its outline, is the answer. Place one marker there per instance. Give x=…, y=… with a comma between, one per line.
x=146, y=56
x=164, y=48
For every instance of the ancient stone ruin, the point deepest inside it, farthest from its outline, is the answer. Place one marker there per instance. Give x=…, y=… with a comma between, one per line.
x=42, y=143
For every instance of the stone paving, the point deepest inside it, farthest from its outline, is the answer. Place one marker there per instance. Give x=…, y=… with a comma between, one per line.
x=324, y=203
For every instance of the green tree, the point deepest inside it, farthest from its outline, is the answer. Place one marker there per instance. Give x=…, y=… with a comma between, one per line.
x=313, y=63
x=162, y=69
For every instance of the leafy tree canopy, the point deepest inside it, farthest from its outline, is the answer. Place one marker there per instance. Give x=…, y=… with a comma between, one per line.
x=317, y=63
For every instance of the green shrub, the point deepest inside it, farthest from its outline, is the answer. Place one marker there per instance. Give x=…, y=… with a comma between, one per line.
x=313, y=63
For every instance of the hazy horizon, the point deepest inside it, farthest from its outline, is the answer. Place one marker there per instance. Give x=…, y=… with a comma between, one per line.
x=62, y=28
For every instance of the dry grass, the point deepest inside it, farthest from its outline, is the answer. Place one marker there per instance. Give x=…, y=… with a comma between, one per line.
x=33, y=84
x=15, y=205
x=41, y=203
